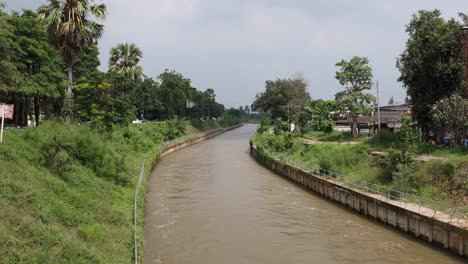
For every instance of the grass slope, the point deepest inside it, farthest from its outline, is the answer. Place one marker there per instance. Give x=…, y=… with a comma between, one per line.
x=444, y=180
x=66, y=193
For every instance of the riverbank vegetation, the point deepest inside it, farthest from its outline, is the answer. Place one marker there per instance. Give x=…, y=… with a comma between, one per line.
x=34, y=57
x=70, y=157
x=398, y=164
x=66, y=192
x=409, y=159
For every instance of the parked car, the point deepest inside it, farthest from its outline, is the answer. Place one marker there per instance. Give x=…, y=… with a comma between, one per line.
x=138, y=121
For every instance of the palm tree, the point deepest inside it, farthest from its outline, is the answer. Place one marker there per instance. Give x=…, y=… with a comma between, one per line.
x=72, y=27
x=124, y=60
x=464, y=18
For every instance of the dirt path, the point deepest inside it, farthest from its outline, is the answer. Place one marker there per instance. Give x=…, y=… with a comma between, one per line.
x=314, y=141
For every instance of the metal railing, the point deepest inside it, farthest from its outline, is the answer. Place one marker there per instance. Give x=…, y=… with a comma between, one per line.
x=409, y=201
x=135, y=212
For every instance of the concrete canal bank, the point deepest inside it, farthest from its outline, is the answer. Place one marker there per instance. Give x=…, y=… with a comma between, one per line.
x=436, y=228
x=213, y=203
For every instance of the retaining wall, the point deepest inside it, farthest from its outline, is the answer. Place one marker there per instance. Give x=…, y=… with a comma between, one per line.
x=450, y=236
x=196, y=140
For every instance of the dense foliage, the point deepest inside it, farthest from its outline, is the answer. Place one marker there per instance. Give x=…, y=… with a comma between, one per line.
x=450, y=115
x=72, y=27
x=317, y=116
x=32, y=75
x=431, y=65
x=283, y=98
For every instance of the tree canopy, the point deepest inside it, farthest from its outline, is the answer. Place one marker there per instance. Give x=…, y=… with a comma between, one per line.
x=72, y=27
x=32, y=76
x=283, y=97
x=450, y=115
x=124, y=59
x=356, y=77
x=431, y=65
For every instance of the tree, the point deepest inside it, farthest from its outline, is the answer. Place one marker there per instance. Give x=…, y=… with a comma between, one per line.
x=283, y=97
x=356, y=76
x=174, y=92
x=247, y=109
x=391, y=101
x=431, y=65
x=146, y=99
x=464, y=18
x=317, y=115
x=39, y=65
x=72, y=28
x=9, y=76
x=87, y=62
x=124, y=59
x=451, y=116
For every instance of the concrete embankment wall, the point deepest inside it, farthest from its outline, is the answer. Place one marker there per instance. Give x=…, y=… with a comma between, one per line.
x=196, y=140
x=439, y=233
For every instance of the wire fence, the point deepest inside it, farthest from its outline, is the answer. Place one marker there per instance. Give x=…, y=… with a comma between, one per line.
x=409, y=201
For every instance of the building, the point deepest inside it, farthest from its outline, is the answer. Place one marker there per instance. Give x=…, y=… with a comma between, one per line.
x=390, y=119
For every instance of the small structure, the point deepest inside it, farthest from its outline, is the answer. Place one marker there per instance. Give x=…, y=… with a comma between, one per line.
x=390, y=119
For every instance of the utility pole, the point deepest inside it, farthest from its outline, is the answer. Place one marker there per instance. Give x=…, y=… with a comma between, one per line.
x=378, y=105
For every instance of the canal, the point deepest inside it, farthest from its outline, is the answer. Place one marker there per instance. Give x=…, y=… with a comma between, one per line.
x=211, y=203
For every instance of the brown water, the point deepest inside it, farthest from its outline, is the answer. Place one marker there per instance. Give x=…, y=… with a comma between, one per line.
x=212, y=203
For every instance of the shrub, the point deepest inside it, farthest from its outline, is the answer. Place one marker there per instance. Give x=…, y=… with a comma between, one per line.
x=441, y=170
x=230, y=119
x=264, y=126
x=383, y=139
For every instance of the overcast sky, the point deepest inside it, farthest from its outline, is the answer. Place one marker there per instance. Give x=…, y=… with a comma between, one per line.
x=233, y=46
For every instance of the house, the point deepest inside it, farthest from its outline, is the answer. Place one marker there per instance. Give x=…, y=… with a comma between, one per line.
x=390, y=119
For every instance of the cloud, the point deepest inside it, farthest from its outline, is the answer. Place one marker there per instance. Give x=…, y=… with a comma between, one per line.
x=233, y=46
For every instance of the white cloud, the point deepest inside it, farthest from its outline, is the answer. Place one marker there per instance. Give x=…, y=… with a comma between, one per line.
x=235, y=45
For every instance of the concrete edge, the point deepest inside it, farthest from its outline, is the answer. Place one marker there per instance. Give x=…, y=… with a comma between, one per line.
x=438, y=233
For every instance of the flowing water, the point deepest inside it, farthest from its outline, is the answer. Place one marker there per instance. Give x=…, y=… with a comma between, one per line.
x=212, y=203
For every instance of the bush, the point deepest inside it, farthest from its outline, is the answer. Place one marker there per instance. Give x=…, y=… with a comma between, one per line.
x=277, y=143
x=442, y=171
x=281, y=126
x=230, y=119
x=384, y=139
x=264, y=126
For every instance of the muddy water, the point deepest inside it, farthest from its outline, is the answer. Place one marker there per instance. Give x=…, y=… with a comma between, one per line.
x=212, y=203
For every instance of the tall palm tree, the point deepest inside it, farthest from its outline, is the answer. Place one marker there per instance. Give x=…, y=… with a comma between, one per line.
x=72, y=27
x=124, y=59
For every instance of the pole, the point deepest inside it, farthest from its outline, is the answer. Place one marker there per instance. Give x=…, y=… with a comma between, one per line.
x=378, y=105
x=3, y=122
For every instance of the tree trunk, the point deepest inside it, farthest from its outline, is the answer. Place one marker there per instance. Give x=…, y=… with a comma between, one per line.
x=354, y=127
x=24, y=113
x=45, y=106
x=37, y=110
x=17, y=110
x=69, y=95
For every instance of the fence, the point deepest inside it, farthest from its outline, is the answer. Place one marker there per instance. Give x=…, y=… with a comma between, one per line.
x=408, y=201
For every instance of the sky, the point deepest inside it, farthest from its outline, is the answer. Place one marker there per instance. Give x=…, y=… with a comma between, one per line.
x=234, y=46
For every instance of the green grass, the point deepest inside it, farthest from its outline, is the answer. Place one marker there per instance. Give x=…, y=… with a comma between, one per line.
x=66, y=192
x=444, y=180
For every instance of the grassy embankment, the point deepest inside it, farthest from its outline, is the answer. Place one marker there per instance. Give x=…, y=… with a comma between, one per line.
x=66, y=192
x=444, y=179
